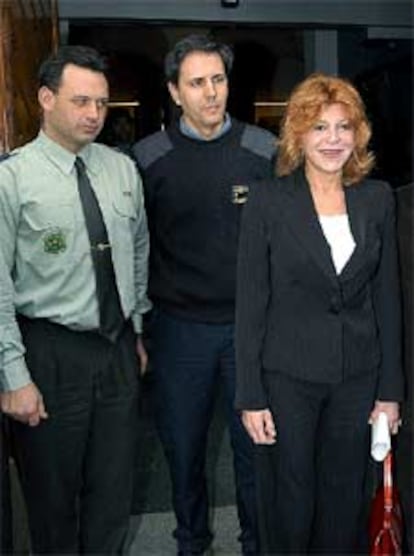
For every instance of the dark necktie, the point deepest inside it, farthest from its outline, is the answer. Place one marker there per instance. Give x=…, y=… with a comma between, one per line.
x=111, y=318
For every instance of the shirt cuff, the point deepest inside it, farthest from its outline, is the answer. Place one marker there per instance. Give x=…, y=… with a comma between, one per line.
x=137, y=322
x=14, y=375
x=136, y=315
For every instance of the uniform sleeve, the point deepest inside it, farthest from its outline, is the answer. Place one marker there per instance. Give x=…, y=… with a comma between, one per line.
x=13, y=371
x=253, y=292
x=141, y=253
x=388, y=309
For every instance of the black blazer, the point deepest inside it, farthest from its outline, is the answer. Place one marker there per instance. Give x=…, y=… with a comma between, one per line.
x=294, y=314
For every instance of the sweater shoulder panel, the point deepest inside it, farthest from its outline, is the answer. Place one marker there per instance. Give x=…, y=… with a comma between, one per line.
x=152, y=148
x=259, y=141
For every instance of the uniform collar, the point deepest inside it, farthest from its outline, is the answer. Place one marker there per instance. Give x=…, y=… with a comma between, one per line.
x=64, y=159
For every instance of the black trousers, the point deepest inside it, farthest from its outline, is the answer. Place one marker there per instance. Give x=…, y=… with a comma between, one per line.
x=77, y=466
x=6, y=544
x=310, y=483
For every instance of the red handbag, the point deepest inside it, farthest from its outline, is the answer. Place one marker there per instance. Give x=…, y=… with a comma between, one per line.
x=385, y=522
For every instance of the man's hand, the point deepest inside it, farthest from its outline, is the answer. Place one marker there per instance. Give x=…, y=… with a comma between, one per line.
x=24, y=404
x=260, y=426
x=142, y=355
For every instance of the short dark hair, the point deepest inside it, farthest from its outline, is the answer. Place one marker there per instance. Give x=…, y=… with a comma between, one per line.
x=195, y=43
x=51, y=70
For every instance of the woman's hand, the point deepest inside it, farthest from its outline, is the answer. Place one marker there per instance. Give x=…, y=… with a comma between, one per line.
x=392, y=410
x=260, y=426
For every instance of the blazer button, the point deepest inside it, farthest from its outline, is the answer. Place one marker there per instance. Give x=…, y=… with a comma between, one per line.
x=335, y=307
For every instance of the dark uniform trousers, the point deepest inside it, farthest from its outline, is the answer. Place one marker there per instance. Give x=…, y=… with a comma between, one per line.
x=77, y=466
x=311, y=481
x=6, y=545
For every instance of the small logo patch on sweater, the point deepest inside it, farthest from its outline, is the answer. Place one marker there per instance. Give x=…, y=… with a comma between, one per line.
x=239, y=194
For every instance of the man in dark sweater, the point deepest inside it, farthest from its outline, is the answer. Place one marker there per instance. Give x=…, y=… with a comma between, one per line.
x=196, y=176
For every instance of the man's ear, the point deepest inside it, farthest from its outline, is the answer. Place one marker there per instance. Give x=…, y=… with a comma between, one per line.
x=46, y=98
x=174, y=93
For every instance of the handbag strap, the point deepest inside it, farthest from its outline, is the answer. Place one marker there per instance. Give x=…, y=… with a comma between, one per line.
x=388, y=498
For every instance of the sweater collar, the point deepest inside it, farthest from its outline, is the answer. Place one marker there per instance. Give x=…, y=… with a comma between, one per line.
x=193, y=134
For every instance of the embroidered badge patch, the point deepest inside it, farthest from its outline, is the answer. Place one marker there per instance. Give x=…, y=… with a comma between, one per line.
x=54, y=241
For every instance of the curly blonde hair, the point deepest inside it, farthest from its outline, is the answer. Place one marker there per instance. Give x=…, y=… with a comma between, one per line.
x=304, y=107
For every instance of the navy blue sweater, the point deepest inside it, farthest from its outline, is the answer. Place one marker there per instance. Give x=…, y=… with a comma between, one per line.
x=194, y=193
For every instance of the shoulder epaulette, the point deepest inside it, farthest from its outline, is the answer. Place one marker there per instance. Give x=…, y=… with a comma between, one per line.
x=151, y=148
x=258, y=140
x=5, y=156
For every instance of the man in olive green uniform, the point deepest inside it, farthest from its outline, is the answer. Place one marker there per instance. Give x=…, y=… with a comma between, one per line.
x=75, y=242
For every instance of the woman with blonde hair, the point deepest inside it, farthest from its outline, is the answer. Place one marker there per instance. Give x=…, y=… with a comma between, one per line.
x=317, y=322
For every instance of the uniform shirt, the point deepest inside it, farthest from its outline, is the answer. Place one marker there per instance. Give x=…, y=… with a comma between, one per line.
x=11, y=347
x=45, y=241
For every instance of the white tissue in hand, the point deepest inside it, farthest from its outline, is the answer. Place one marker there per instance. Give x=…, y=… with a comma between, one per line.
x=380, y=437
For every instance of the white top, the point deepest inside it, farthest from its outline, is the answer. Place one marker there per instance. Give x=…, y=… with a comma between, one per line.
x=338, y=234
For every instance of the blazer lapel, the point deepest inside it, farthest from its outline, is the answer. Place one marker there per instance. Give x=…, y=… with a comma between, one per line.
x=358, y=222
x=300, y=215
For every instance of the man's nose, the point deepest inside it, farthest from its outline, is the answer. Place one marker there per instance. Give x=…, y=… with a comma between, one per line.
x=94, y=110
x=211, y=89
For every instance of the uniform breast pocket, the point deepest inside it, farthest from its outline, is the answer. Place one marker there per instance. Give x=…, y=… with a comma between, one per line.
x=124, y=206
x=46, y=231
x=124, y=222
